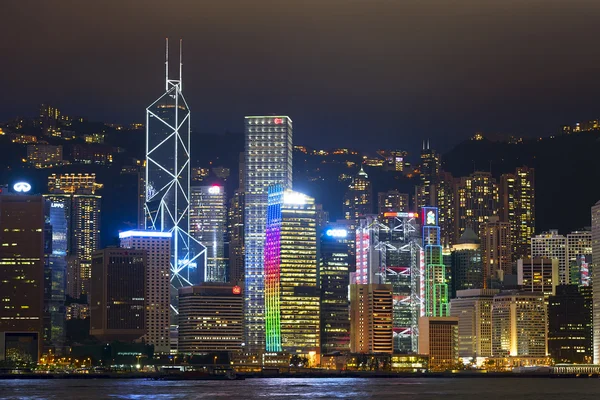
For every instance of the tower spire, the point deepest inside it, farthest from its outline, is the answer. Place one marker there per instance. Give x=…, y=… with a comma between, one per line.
x=166, y=63
x=180, y=63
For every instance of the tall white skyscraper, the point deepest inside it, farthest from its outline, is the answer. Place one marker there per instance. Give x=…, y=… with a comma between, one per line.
x=208, y=225
x=596, y=279
x=158, y=252
x=552, y=245
x=167, y=207
x=268, y=162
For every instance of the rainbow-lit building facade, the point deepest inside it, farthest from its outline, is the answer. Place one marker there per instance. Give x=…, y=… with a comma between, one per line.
x=292, y=320
x=435, y=294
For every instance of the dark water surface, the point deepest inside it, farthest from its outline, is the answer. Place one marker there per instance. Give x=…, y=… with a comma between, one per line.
x=350, y=388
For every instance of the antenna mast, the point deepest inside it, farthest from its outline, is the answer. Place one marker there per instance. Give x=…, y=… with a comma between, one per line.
x=180, y=63
x=166, y=63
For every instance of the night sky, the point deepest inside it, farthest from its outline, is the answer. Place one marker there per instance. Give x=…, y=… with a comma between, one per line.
x=350, y=73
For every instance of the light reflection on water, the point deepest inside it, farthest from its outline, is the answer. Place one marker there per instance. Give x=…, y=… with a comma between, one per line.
x=340, y=388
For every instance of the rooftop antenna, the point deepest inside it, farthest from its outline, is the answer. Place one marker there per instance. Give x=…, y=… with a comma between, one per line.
x=166, y=64
x=428, y=148
x=180, y=63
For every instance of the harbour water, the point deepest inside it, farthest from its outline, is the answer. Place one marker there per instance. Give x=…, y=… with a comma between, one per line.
x=350, y=388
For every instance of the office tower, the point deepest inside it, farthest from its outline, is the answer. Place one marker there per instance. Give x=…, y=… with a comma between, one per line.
x=167, y=178
x=441, y=195
x=334, y=278
x=438, y=339
x=291, y=288
x=117, y=299
x=495, y=250
x=57, y=216
x=569, y=339
x=236, y=238
x=552, y=245
x=392, y=201
x=210, y=318
x=579, y=256
x=429, y=169
x=539, y=275
x=21, y=275
x=371, y=315
x=519, y=325
x=476, y=199
x=517, y=207
x=268, y=161
x=158, y=250
x=399, y=245
x=82, y=214
x=596, y=278
x=467, y=265
x=435, y=288
x=473, y=308
x=358, y=200
x=208, y=225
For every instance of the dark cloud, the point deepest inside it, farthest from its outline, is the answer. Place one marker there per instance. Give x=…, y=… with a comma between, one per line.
x=372, y=73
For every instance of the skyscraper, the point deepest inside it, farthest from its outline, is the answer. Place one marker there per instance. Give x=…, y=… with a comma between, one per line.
x=268, y=162
x=476, y=199
x=292, y=321
x=79, y=213
x=552, y=245
x=430, y=169
x=167, y=180
x=371, y=316
x=236, y=238
x=473, y=308
x=117, y=300
x=208, y=224
x=517, y=207
x=569, y=338
x=467, y=266
x=438, y=339
x=210, y=318
x=334, y=278
x=496, y=250
x=539, y=275
x=392, y=201
x=21, y=274
x=595, y=279
x=157, y=304
x=519, y=326
x=358, y=200
x=579, y=245
x=435, y=288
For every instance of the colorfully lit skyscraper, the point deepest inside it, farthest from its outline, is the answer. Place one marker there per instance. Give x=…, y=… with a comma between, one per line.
x=158, y=264
x=268, y=162
x=435, y=287
x=517, y=207
x=208, y=225
x=596, y=278
x=167, y=206
x=334, y=278
x=291, y=290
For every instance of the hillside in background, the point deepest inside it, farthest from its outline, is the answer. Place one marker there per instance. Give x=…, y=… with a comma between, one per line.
x=567, y=173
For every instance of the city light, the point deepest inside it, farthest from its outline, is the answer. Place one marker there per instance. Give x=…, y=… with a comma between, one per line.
x=22, y=187
x=338, y=233
x=128, y=234
x=214, y=189
x=294, y=198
